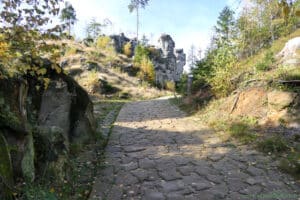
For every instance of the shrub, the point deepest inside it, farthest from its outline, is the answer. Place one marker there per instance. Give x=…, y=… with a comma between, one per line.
x=140, y=52
x=291, y=164
x=182, y=85
x=275, y=144
x=267, y=62
x=127, y=49
x=146, y=72
x=70, y=51
x=221, y=82
x=170, y=85
x=104, y=42
x=242, y=132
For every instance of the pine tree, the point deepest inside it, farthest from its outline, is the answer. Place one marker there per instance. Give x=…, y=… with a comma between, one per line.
x=136, y=5
x=68, y=15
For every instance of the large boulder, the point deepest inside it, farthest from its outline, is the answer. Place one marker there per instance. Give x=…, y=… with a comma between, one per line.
x=170, y=62
x=118, y=41
x=290, y=55
x=41, y=123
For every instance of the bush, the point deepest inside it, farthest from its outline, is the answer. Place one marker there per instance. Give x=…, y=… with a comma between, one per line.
x=146, y=72
x=140, y=52
x=267, y=62
x=104, y=42
x=170, y=85
x=127, y=49
x=291, y=164
x=182, y=85
x=275, y=144
x=143, y=63
x=242, y=132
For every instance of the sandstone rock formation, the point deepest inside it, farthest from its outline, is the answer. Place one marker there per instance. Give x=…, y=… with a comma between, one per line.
x=120, y=40
x=41, y=124
x=289, y=55
x=169, y=65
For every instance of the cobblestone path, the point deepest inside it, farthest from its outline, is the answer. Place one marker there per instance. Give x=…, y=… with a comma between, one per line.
x=156, y=152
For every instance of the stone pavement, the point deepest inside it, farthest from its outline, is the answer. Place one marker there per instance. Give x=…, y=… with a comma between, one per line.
x=156, y=152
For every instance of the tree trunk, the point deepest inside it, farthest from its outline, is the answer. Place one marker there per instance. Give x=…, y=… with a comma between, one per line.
x=137, y=24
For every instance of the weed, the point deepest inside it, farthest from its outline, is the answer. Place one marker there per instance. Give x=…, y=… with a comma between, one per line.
x=242, y=132
x=274, y=144
x=266, y=62
x=291, y=164
x=170, y=85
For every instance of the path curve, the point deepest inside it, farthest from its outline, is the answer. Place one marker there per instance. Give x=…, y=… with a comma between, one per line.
x=156, y=152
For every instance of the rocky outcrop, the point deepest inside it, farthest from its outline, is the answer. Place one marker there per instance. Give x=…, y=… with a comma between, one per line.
x=270, y=107
x=120, y=40
x=41, y=124
x=289, y=55
x=169, y=65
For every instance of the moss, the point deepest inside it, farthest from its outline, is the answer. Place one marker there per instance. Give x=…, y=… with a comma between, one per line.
x=6, y=172
x=8, y=118
x=28, y=160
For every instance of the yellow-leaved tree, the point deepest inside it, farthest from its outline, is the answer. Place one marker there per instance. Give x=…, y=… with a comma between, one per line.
x=26, y=28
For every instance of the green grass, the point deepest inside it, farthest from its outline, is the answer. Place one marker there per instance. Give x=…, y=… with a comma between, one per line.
x=242, y=132
x=274, y=144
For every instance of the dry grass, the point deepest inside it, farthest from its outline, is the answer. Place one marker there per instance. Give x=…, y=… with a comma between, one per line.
x=110, y=70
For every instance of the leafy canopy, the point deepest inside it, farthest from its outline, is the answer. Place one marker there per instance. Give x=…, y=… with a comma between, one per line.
x=26, y=26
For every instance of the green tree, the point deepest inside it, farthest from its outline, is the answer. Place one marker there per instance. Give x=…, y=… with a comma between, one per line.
x=25, y=27
x=144, y=64
x=192, y=57
x=225, y=25
x=68, y=15
x=94, y=28
x=136, y=5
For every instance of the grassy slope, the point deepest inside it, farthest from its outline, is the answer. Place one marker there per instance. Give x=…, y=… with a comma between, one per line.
x=246, y=130
x=111, y=65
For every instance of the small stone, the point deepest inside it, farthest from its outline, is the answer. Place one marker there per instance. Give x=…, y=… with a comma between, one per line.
x=130, y=166
x=152, y=195
x=201, y=186
x=171, y=186
x=133, y=149
x=146, y=163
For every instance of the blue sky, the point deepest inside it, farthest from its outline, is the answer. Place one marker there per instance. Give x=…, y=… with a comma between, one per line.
x=187, y=21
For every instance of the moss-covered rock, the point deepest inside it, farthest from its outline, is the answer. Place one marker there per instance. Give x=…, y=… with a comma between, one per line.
x=28, y=168
x=6, y=172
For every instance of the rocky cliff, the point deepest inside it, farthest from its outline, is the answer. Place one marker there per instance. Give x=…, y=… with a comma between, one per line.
x=38, y=125
x=169, y=65
x=168, y=62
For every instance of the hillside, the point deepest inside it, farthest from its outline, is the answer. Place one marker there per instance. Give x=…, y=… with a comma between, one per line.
x=263, y=109
x=104, y=73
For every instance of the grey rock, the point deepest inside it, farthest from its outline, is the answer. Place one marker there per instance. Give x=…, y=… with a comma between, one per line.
x=172, y=186
x=153, y=195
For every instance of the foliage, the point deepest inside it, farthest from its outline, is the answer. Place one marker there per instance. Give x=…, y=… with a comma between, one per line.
x=192, y=57
x=140, y=52
x=170, y=85
x=225, y=25
x=136, y=5
x=25, y=27
x=127, y=49
x=104, y=42
x=68, y=15
x=291, y=163
x=146, y=72
x=242, y=132
x=39, y=192
x=6, y=173
x=142, y=62
x=93, y=28
x=274, y=144
x=224, y=67
x=266, y=62
x=182, y=85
